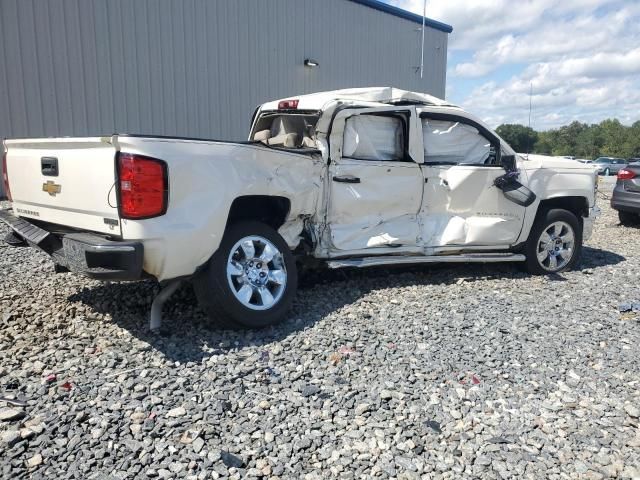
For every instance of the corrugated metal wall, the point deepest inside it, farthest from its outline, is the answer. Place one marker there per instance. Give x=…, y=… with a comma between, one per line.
x=193, y=67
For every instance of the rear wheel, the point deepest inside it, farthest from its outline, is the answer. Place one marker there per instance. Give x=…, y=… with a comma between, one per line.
x=554, y=243
x=251, y=280
x=628, y=218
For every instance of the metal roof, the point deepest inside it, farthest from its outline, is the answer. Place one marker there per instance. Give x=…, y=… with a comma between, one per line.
x=399, y=12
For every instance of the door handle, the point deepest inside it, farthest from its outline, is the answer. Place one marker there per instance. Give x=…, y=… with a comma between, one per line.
x=49, y=166
x=346, y=179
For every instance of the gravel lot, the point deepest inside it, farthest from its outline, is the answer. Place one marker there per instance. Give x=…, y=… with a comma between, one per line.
x=430, y=372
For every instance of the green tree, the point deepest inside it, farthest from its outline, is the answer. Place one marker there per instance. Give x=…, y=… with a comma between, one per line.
x=607, y=138
x=544, y=145
x=615, y=135
x=521, y=138
x=632, y=143
x=589, y=142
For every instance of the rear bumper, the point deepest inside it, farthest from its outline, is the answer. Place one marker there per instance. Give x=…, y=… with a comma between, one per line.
x=625, y=200
x=85, y=253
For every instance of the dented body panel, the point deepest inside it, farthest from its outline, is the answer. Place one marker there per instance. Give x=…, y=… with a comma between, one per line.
x=206, y=177
x=378, y=174
x=462, y=207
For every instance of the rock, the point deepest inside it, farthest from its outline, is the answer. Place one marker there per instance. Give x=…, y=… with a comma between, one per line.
x=138, y=417
x=631, y=472
x=406, y=464
x=11, y=437
x=11, y=414
x=34, y=461
x=176, y=412
x=231, y=460
x=433, y=425
x=386, y=395
x=499, y=440
x=188, y=436
x=197, y=445
x=632, y=410
x=362, y=408
x=309, y=390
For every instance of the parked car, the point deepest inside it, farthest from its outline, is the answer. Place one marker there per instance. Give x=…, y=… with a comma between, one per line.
x=348, y=178
x=609, y=165
x=626, y=194
x=584, y=160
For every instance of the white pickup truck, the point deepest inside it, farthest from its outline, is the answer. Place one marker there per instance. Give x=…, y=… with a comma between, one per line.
x=350, y=178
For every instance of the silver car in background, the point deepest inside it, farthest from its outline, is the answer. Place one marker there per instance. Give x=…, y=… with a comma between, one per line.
x=609, y=165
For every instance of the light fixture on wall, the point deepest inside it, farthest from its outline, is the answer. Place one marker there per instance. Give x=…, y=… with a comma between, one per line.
x=309, y=62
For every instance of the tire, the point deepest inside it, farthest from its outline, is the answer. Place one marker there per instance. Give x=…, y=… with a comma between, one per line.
x=557, y=226
x=606, y=172
x=628, y=219
x=236, y=289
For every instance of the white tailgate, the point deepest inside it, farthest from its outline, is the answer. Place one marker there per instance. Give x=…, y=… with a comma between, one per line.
x=82, y=194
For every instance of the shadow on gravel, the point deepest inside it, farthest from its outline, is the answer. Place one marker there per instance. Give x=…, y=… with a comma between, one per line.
x=595, y=257
x=187, y=335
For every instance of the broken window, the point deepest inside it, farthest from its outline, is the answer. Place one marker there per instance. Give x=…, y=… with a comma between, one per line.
x=455, y=143
x=286, y=130
x=374, y=137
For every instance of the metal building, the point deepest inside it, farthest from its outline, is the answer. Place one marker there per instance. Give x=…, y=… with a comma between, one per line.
x=197, y=68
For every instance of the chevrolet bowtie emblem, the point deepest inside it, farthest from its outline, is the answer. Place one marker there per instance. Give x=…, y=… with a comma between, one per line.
x=51, y=188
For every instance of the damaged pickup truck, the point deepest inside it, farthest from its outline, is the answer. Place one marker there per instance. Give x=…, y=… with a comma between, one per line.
x=348, y=178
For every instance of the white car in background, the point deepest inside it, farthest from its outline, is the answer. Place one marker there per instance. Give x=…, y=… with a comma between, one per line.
x=348, y=178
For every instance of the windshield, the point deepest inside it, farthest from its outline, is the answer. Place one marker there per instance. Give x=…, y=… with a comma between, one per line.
x=289, y=130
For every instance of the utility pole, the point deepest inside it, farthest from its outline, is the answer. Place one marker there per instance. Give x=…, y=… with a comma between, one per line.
x=424, y=14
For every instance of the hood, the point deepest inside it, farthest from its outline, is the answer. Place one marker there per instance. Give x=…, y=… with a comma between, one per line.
x=531, y=161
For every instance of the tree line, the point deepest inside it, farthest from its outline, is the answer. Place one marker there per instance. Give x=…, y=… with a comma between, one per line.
x=608, y=138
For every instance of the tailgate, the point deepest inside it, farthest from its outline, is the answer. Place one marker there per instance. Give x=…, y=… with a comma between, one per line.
x=66, y=181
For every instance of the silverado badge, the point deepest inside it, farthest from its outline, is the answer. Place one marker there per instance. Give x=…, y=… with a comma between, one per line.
x=51, y=188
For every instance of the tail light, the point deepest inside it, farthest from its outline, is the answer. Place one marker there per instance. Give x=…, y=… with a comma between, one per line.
x=143, y=186
x=625, y=174
x=288, y=104
x=5, y=176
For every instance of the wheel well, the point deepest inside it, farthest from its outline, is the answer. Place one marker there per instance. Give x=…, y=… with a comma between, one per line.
x=270, y=210
x=579, y=206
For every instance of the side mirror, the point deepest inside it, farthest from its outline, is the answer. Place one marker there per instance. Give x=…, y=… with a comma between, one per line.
x=512, y=189
x=509, y=163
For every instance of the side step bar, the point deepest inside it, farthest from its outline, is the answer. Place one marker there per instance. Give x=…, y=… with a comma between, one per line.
x=409, y=260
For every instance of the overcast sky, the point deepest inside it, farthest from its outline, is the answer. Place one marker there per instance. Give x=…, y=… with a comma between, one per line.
x=582, y=56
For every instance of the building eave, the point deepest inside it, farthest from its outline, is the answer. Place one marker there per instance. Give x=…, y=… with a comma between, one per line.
x=399, y=12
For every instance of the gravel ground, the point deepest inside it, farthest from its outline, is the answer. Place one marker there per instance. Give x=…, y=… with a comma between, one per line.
x=430, y=372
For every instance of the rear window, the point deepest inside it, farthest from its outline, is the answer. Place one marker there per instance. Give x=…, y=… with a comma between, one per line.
x=288, y=130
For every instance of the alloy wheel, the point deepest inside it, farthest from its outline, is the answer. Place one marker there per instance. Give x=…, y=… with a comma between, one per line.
x=555, y=246
x=256, y=272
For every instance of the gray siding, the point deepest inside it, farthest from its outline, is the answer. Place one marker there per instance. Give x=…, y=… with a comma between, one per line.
x=192, y=67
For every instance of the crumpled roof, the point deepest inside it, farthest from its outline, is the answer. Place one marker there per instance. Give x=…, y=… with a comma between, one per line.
x=385, y=95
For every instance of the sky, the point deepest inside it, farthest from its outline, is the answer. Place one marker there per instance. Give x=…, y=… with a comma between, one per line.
x=582, y=58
